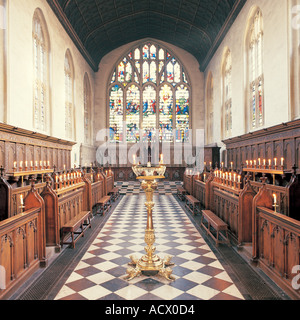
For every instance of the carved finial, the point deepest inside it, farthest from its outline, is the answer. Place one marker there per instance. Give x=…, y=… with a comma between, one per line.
x=263, y=179
x=32, y=182
x=294, y=169
x=248, y=177
x=2, y=171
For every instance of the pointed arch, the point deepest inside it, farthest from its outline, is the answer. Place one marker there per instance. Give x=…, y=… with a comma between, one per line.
x=255, y=112
x=154, y=96
x=226, y=119
x=41, y=73
x=209, y=108
x=69, y=96
x=87, y=101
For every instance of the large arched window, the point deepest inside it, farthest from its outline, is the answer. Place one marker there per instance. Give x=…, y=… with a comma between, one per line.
x=210, y=108
x=149, y=97
x=227, y=93
x=41, y=73
x=254, y=49
x=69, y=96
x=87, y=109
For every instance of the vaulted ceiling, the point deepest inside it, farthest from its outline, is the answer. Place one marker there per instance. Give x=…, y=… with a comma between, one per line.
x=100, y=26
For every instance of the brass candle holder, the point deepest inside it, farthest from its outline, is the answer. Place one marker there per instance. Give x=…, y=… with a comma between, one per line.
x=150, y=264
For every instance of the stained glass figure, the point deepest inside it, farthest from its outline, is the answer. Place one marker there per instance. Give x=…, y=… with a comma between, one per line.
x=158, y=99
x=116, y=113
x=132, y=114
x=166, y=114
x=182, y=114
x=149, y=113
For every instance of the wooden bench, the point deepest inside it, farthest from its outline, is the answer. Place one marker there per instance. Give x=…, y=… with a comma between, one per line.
x=217, y=224
x=114, y=193
x=181, y=192
x=77, y=225
x=192, y=204
x=104, y=205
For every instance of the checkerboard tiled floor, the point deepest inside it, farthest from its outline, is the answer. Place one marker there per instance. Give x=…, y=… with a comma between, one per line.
x=134, y=187
x=101, y=272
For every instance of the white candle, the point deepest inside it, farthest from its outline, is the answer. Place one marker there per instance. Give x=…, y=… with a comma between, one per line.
x=239, y=178
x=275, y=198
x=15, y=164
x=275, y=161
x=21, y=199
x=282, y=161
x=259, y=161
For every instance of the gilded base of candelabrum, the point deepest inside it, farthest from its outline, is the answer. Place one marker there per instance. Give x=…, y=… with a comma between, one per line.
x=150, y=264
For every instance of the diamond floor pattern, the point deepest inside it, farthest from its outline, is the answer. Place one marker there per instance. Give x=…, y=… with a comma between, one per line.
x=101, y=272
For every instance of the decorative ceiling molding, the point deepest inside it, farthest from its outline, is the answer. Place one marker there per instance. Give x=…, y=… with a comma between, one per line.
x=100, y=26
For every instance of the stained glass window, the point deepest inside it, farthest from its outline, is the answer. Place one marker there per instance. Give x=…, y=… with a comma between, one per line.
x=87, y=109
x=116, y=113
x=255, y=53
x=227, y=93
x=149, y=91
x=210, y=108
x=41, y=83
x=69, y=96
x=133, y=113
x=182, y=113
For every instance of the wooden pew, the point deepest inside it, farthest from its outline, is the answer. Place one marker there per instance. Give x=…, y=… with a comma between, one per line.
x=192, y=204
x=217, y=224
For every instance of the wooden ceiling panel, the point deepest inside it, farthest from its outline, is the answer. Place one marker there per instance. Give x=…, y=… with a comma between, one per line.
x=100, y=26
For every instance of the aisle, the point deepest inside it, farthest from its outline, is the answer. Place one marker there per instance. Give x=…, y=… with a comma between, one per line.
x=100, y=273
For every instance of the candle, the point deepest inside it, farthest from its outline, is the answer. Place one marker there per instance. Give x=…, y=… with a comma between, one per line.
x=259, y=161
x=26, y=164
x=15, y=164
x=21, y=164
x=230, y=176
x=275, y=161
x=48, y=163
x=269, y=162
x=222, y=164
x=21, y=199
x=239, y=179
x=162, y=158
x=41, y=163
x=247, y=162
x=275, y=198
x=282, y=161
x=148, y=164
x=264, y=161
x=210, y=164
x=254, y=162
x=36, y=163
x=231, y=164
x=64, y=167
x=31, y=163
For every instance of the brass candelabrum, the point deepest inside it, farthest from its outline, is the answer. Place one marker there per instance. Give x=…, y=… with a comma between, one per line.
x=150, y=264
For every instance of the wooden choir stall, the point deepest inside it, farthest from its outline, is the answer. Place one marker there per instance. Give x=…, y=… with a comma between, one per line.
x=257, y=195
x=44, y=202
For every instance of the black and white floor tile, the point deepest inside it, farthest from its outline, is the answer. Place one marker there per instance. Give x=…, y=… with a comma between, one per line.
x=101, y=272
x=134, y=187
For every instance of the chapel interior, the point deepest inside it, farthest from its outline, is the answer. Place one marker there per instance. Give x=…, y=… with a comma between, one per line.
x=114, y=110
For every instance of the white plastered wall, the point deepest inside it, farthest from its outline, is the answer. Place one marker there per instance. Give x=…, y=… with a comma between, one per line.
x=20, y=71
x=275, y=65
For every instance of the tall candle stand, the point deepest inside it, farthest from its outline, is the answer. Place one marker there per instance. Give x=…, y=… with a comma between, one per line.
x=150, y=264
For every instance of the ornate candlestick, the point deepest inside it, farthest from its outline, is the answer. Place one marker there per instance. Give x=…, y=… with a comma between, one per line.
x=150, y=264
